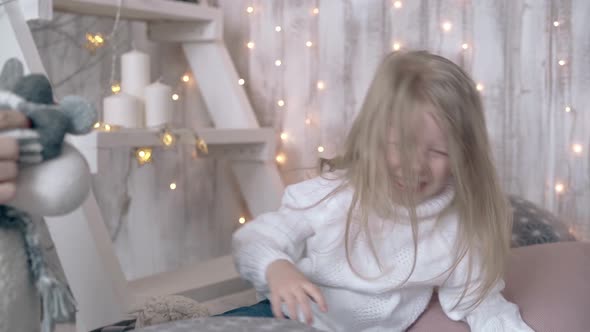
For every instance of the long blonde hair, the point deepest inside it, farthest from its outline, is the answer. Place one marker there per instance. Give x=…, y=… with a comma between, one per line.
x=402, y=82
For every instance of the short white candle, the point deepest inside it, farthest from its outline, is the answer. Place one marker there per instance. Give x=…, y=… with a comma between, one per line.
x=135, y=73
x=123, y=110
x=158, y=105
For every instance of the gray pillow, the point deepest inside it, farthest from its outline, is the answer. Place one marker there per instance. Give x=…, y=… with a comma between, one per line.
x=534, y=225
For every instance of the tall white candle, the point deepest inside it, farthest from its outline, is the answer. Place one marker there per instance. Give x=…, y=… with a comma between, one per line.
x=135, y=73
x=123, y=110
x=158, y=104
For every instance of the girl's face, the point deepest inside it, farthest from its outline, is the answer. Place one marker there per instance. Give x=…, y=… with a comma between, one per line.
x=429, y=157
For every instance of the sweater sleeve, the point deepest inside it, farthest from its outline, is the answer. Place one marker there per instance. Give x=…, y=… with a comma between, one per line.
x=493, y=314
x=270, y=237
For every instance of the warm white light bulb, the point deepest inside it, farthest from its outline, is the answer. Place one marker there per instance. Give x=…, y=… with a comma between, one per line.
x=168, y=139
x=278, y=28
x=479, y=87
x=278, y=62
x=561, y=62
x=242, y=220
x=281, y=158
x=308, y=121
x=316, y=11
x=447, y=26
x=320, y=149
x=116, y=88
x=281, y=103
x=397, y=4
x=556, y=23
x=465, y=46
x=396, y=46
x=175, y=96
x=241, y=81
x=559, y=187
x=321, y=85
x=250, y=45
x=577, y=148
x=143, y=156
x=284, y=136
x=172, y=186
x=309, y=44
x=186, y=78
x=250, y=9
x=568, y=109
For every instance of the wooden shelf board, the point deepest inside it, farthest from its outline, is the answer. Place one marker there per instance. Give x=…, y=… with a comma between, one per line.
x=150, y=137
x=145, y=10
x=202, y=282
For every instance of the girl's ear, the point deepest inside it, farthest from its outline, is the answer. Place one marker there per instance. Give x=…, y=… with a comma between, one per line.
x=12, y=72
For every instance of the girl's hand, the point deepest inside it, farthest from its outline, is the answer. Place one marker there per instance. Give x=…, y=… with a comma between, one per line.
x=288, y=285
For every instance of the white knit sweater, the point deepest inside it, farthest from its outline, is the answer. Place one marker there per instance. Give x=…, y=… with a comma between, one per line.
x=312, y=238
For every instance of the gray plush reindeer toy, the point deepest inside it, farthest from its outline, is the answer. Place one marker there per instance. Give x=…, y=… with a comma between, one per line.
x=40, y=192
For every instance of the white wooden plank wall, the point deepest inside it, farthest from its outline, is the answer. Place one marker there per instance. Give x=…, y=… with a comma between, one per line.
x=514, y=49
x=513, y=52
x=334, y=71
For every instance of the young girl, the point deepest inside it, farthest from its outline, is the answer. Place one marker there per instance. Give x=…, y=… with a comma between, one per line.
x=413, y=205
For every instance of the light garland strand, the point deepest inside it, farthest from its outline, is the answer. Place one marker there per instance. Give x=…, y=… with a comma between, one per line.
x=566, y=187
x=320, y=86
x=110, y=39
x=560, y=187
x=281, y=157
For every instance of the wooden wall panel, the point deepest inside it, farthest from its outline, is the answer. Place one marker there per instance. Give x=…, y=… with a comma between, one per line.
x=513, y=51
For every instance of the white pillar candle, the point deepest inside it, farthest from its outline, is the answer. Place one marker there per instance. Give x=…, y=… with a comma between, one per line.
x=123, y=110
x=135, y=73
x=158, y=104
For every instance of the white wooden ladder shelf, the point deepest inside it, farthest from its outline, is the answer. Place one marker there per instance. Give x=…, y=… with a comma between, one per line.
x=81, y=238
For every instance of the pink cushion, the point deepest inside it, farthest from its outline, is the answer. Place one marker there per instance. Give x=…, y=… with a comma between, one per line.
x=549, y=282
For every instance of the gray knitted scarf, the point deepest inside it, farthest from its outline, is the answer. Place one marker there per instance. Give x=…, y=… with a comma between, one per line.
x=58, y=303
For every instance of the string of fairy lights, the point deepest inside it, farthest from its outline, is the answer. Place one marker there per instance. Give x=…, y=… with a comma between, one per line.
x=560, y=186
x=144, y=155
x=321, y=85
x=167, y=138
x=281, y=157
x=562, y=53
